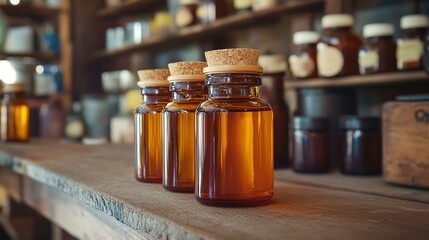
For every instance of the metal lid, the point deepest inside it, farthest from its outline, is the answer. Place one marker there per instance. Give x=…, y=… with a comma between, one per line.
x=312, y=124
x=360, y=123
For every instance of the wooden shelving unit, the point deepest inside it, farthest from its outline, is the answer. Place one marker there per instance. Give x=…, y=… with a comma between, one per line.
x=29, y=11
x=360, y=80
x=130, y=7
x=43, y=57
x=223, y=25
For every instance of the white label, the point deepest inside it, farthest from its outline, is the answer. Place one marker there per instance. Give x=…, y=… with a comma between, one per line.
x=369, y=59
x=408, y=50
x=242, y=4
x=301, y=66
x=330, y=60
x=183, y=17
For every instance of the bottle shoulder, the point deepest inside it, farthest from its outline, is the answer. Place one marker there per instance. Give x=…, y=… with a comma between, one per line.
x=181, y=107
x=222, y=105
x=145, y=108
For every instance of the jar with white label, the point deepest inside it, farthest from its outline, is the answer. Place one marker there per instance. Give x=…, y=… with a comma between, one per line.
x=303, y=61
x=409, y=52
x=243, y=5
x=211, y=10
x=337, y=51
x=377, y=54
x=186, y=15
x=263, y=4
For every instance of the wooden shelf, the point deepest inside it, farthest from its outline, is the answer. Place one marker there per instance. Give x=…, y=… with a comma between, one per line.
x=130, y=7
x=43, y=57
x=219, y=27
x=28, y=11
x=360, y=80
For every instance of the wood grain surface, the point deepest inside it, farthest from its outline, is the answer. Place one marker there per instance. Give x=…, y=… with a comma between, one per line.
x=101, y=178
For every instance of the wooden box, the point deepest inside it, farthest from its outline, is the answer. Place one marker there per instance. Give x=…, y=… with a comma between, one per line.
x=406, y=143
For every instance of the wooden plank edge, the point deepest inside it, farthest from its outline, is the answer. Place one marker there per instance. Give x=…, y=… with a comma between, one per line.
x=127, y=6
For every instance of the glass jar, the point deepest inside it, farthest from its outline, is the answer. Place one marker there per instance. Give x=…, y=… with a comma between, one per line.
x=15, y=114
x=360, y=145
x=337, y=45
x=272, y=91
x=234, y=132
x=310, y=144
x=211, y=10
x=188, y=91
x=186, y=15
x=242, y=5
x=409, y=53
x=303, y=61
x=378, y=53
x=148, y=124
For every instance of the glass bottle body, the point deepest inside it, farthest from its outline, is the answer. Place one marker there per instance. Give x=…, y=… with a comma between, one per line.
x=377, y=55
x=337, y=52
x=234, y=149
x=148, y=134
x=211, y=10
x=303, y=62
x=15, y=118
x=179, y=135
x=410, y=49
x=310, y=151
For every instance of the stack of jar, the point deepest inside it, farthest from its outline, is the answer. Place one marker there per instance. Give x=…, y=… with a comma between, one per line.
x=214, y=138
x=340, y=51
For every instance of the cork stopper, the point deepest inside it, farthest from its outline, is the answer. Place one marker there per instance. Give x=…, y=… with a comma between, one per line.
x=186, y=71
x=153, y=78
x=13, y=88
x=232, y=60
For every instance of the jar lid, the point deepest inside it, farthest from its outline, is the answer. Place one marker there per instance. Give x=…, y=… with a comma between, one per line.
x=186, y=71
x=309, y=123
x=13, y=88
x=305, y=37
x=153, y=78
x=185, y=2
x=414, y=21
x=378, y=29
x=273, y=63
x=337, y=20
x=232, y=60
x=360, y=123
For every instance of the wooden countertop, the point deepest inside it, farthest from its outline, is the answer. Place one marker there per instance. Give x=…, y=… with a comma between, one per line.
x=90, y=191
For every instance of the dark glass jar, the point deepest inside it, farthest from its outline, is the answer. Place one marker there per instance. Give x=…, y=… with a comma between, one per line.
x=360, y=145
x=337, y=51
x=188, y=92
x=211, y=10
x=148, y=124
x=186, y=15
x=234, y=151
x=272, y=91
x=426, y=60
x=310, y=144
x=410, y=48
x=15, y=114
x=303, y=61
x=378, y=53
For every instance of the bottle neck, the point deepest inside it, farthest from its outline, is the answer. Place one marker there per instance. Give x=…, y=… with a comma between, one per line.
x=233, y=86
x=188, y=91
x=155, y=95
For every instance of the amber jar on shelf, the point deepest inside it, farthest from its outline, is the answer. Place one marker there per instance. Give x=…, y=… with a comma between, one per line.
x=303, y=60
x=410, y=48
x=360, y=145
x=148, y=124
x=310, y=144
x=272, y=91
x=337, y=51
x=211, y=10
x=186, y=14
x=188, y=91
x=234, y=132
x=242, y=5
x=15, y=114
x=378, y=53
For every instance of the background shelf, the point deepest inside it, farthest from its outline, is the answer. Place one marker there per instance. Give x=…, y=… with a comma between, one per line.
x=130, y=7
x=43, y=57
x=28, y=11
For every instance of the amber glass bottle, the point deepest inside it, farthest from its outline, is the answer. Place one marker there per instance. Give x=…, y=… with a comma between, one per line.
x=410, y=49
x=303, y=61
x=337, y=51
x=272, y=91
x=148, y=124
x=234, y=132
x=378, y=53
x=186, y=15
x=188, y=91
x=15, y=114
